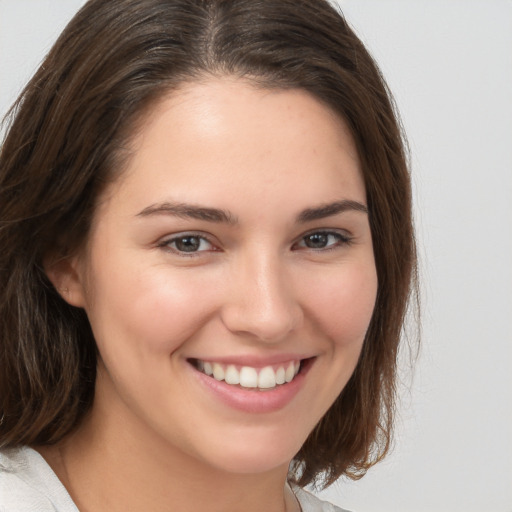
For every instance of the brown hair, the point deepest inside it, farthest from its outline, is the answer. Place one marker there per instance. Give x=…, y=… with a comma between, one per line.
x=65, y=141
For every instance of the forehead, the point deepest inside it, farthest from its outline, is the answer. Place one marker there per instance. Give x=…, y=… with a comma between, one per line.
x=227, y=135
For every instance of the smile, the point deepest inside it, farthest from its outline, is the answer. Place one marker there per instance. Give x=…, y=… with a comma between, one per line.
x=268, y=377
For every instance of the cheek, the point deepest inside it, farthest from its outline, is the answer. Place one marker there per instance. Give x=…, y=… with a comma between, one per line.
x=344, y=303
x=152, y=310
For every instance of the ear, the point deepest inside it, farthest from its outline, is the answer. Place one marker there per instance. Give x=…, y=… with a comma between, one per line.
x=67, y=276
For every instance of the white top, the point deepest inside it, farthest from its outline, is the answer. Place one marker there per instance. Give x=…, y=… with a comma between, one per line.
x=28, y=484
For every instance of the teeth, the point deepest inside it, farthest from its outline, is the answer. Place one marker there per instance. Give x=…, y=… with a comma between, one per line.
x=248, y=377
x=290, y=372
x=207, y=368
x=232, y=376
x=218, y=371
x=266, y=378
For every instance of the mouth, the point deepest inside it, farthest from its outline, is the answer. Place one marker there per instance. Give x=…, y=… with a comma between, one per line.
x=251, y=378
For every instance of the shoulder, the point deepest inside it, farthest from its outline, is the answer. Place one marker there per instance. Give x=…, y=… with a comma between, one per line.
x=310, y=503
x=27, y=484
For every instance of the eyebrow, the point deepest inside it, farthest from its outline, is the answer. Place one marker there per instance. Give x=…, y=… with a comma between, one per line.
x=330, y=209
x=191, y=211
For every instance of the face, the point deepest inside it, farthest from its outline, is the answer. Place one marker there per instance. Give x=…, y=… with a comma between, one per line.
x=229, y=276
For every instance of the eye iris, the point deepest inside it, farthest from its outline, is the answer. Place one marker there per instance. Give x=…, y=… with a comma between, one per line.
x=188, y=243
x=317, y=240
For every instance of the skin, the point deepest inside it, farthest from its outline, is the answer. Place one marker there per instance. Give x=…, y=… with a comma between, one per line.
x=155, y=439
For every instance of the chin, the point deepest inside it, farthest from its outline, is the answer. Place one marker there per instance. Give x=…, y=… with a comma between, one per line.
x=254, y=456
x=252, y=463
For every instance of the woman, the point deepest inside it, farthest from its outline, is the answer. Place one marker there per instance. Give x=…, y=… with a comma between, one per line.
x=208, y=251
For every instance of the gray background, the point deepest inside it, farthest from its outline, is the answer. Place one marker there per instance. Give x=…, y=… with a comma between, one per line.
x=449, y=64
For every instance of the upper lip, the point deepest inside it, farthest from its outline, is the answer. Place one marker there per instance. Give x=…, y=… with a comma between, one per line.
x=252, y=360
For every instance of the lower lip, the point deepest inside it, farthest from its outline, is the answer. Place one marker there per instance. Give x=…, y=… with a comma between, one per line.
x=252, y=400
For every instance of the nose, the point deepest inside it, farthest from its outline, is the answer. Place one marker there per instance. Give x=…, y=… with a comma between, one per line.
x=262, y=301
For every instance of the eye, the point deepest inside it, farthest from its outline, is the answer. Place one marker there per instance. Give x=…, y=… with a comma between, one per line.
x=322, y=240
x=187, y=244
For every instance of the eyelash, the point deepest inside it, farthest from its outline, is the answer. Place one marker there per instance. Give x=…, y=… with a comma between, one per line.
x=167, y=243
x=341, y=239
